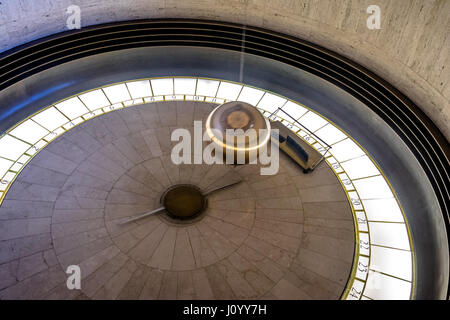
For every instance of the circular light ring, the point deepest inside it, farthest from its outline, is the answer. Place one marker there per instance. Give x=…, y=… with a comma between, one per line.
x=383, y=266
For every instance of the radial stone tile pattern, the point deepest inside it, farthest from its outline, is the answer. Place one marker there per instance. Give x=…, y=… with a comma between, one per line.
x=286, y=236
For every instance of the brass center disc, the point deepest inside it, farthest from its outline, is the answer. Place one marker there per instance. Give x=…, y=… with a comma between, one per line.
x=183, y=201
x=238, y=119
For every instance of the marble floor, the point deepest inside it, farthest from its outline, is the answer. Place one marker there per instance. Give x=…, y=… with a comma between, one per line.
x=286, y=236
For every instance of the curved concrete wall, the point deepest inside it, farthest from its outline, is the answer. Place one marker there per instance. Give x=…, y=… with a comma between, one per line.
x=410, y=50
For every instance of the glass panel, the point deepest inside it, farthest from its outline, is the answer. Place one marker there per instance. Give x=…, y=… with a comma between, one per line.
x=272, y=117
x=294, y=110
x=113, y=107
x=215, y=100
x=162, y=86
x=330, y=134
x=29, y=131
x=271, y=102
x=16, y=167
x=92, y=114
x=185, y=86
x=50, y=118
x=346, y=181
x=23, y=159
x=52, y=135
x=355, y=200
x=380, y=286
x=334, y=164
x=362, y=268
x=207, y=87
x=32, y=151
x=174, y=97
x=360, y=167
x=228, y=91
x=290, y=126
x=312, y=121
x=4, y=166
x=364, y=244
x=72, y=108
x=392, y=235
x=373, y=188
x=320, y=148
x=391, y=261
x=346, y=150
x=139, y=89
x=153, y=99
x=250, y=95
x=383, y=210
x=307, y=136
x=361, y=220
x=356, y=290
x=117, y=93
x=7, y=180
x=39, y=145
x=195, y=98
x=133, y=102
x=94, y=99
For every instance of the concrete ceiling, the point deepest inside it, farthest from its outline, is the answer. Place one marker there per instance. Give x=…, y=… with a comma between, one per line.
x=411, y=50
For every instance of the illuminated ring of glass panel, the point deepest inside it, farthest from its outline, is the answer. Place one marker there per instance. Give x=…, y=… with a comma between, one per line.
x=383, y=265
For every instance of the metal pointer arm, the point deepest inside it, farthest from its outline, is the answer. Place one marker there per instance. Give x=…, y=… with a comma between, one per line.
x=163, y=208
x=221, y=187
x=143, y=215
